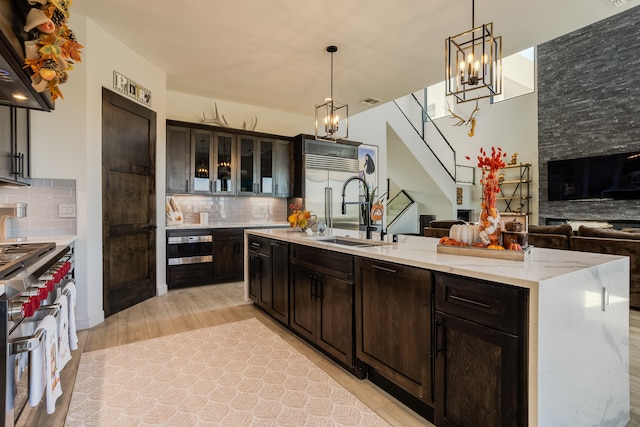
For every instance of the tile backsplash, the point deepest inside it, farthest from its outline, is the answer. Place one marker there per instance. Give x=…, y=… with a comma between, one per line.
x=43, y=198
x=233, y=209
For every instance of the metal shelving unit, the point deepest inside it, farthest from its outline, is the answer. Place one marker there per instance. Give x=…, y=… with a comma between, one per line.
x=514, y=189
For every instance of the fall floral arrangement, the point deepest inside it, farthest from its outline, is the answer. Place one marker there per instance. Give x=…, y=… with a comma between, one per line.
x=489, y=217
x=299, y=217
x=487, y=233
x=51, y=48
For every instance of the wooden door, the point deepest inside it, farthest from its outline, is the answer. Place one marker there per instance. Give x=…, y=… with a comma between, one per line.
x=476, y=375
x=280, y=281
x=128, y=202
x=335, y=318
x=393, y=323
x=303, y=288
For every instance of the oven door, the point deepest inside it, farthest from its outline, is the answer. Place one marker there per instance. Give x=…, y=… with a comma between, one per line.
x=22, y=341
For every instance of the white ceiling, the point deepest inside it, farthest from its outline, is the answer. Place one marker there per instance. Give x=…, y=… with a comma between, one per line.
x=272, y=53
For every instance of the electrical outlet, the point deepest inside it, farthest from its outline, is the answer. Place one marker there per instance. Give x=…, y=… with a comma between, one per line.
x=66, y=211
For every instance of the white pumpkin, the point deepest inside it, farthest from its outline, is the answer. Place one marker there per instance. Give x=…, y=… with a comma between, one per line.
x=467, y=233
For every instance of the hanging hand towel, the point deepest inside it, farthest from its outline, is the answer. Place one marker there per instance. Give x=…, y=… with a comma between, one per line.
x=44, y=367
x=64, y=352
x=73, y=336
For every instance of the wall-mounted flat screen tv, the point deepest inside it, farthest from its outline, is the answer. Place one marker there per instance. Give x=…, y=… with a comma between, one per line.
x=604, y=177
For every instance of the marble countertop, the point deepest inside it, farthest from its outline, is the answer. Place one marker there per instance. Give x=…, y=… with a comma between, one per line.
x=221, y=224
x=419, y=251
x=58, y=240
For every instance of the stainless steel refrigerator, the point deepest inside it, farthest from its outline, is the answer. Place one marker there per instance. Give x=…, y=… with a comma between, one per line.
x=327, y=165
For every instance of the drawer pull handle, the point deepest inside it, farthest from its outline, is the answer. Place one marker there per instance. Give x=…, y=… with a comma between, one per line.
x=255, y=245
x=388, y=270
x=469, y=301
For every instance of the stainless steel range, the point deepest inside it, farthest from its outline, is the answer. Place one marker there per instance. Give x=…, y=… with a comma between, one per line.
x=32, y=275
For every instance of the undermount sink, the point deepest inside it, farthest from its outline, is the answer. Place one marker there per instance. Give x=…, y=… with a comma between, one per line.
x=351, y=242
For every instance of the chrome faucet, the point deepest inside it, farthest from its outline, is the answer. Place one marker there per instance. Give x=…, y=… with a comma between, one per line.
x=370, y=228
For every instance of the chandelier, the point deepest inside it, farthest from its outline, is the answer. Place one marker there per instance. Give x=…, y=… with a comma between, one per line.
x=473, y=68
x=329, y=112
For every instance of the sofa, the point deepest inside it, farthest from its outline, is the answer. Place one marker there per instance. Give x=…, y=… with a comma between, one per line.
x=550, y=236
x=441, y=228
x=614, y=242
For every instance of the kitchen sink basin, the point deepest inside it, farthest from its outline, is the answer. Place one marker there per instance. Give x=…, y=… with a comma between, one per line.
x=351, y=242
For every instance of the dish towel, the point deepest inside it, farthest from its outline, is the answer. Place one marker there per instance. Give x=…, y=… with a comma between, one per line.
x=64, y=352
x=44, y=373
x=73, y=336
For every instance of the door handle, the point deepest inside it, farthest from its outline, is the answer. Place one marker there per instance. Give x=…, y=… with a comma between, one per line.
x=312, y=286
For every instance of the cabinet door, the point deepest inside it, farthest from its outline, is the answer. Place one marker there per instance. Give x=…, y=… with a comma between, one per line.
x=280, y=281
x=476, y=375
x=22, y=154
x=6, y=142
x=265, y=179
x=247, y=148
x=303, y=292
x=260, y=279
x=201, y=160
x=393, y=323
x=335, y=318
x=178, y=160
x=227, y=256
x=282, y=173
x=224, y=164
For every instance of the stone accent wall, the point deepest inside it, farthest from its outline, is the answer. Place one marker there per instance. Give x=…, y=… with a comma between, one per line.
x=589, y=105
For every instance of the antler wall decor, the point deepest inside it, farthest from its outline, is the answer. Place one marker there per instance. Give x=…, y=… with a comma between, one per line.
x=220, y=120
x=470, y=122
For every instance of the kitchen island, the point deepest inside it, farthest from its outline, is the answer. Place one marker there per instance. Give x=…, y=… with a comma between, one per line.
x=575, y=321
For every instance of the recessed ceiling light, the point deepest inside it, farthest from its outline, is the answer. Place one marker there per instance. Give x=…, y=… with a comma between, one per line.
x=370, y=101
x=19, y=96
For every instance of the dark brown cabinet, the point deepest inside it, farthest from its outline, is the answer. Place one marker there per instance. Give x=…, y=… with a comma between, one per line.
x=228, y=254
x=268, y=276
x=394, y=324
x=14, y=144
x=189, y=258
x=480, y=353
x=321, y=300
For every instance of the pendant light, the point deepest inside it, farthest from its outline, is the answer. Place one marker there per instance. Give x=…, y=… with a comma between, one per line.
x=473, y=68
x=329, y=113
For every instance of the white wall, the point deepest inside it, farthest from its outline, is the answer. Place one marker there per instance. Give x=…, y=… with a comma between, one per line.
x=67, y=143
x=511, y=124
x=190, y=108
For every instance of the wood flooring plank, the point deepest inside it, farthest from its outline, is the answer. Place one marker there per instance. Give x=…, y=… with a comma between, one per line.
x=132, y=326
x=193, y=308
x=157, y=318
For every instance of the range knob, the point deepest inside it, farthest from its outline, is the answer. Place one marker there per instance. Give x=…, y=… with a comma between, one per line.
x=28, y=309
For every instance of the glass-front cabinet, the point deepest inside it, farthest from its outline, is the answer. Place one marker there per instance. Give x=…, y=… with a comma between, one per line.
x=264, y=167
x=224, y=164
x=202, y=150
x=202, y=161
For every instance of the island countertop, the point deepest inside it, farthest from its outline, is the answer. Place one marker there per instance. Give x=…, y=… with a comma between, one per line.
x=578, y=318
x=418, y=251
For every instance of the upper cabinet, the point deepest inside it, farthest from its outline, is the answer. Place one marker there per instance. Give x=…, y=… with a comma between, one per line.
x=218, y=161
x=264, y=167
x=14, y=144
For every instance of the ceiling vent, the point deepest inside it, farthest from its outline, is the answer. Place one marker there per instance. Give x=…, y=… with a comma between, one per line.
x=370, y=101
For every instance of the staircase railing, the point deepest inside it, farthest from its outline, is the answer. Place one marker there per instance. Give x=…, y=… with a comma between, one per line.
x=416, y=114
x=397, y=206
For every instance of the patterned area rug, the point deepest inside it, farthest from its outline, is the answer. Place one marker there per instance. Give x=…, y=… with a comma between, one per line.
x=238, y=374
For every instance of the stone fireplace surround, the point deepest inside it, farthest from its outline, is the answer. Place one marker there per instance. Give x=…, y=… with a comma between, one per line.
x=588, y=106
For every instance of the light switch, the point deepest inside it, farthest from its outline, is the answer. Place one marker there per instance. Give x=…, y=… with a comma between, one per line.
x=66, y=211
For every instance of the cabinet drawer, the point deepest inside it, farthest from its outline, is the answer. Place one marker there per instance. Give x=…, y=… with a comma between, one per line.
x=259, y=244
x=335, y=264
x=494, y=305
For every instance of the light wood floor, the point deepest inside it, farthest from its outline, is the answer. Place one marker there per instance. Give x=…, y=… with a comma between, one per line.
x=198, y=307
